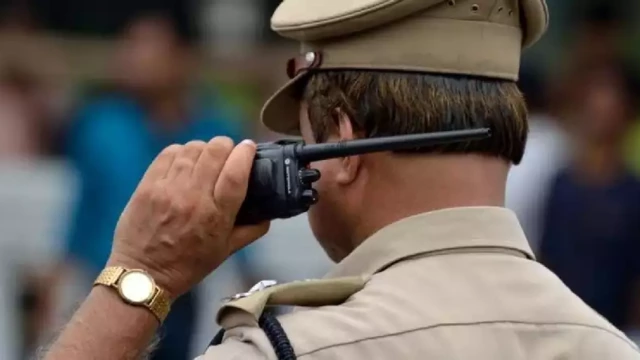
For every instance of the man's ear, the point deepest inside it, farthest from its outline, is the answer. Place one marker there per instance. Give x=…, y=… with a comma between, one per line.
x=350, y=166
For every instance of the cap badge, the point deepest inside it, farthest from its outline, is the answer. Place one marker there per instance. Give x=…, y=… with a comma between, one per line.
x=304, y=62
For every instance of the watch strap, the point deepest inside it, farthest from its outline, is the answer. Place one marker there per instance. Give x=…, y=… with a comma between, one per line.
x=160, y=305
x=110, y=276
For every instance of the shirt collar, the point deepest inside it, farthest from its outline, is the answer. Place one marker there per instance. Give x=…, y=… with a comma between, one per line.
x=433, y=232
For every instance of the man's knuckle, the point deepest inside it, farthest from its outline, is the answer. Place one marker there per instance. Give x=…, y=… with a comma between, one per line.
x=159, y=198
x=210, y=215
x=183, y=164
x=144, y=193
x=182, y=206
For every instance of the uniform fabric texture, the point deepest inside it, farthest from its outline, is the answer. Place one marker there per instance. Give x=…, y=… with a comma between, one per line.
x=452, y=284
x=274, y=332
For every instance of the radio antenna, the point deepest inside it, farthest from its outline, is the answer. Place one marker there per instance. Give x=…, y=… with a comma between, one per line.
x=318, y=152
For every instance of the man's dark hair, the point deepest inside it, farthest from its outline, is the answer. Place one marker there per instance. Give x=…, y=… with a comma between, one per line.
x=383, y=103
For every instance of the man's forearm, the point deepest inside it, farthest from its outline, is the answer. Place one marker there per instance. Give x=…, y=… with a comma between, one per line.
x=105, y=328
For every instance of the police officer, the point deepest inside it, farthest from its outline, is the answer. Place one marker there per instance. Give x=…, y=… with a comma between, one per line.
x=430, y=263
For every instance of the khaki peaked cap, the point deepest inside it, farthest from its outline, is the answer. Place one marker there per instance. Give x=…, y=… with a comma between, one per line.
x=466, y=37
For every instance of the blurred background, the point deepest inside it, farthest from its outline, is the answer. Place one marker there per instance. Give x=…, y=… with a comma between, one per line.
x=91, y=91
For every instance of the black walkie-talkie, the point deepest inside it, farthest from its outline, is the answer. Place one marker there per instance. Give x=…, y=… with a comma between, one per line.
x=281, y=181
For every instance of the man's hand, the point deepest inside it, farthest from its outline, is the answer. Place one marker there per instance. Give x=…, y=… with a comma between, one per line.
x=179, y=224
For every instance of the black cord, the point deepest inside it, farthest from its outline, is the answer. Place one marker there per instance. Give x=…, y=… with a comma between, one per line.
x=275, y=333
x=278, y=338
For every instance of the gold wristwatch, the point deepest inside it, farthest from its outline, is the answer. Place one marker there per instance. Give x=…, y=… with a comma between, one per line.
x=136, y=287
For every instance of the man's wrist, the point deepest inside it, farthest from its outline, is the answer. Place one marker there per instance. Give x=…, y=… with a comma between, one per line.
x=105, y=327
x=110, y=299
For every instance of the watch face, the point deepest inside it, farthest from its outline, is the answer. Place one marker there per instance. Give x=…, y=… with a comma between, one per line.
x=136, y=287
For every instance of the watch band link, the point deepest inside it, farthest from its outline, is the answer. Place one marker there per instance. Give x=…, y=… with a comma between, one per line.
x=109, y=276
x=160, y=305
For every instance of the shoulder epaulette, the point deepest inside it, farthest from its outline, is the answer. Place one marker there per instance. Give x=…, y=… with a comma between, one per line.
x=307, y=293
x=248, y=309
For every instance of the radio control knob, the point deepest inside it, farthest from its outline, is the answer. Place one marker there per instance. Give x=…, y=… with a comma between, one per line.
x=309, y=176
x=310, y=197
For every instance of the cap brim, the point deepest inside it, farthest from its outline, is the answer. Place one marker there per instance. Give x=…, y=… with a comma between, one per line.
x=281, y=113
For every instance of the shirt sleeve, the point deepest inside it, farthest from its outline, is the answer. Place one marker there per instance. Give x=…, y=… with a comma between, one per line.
x=246, y=343
x=233, y=350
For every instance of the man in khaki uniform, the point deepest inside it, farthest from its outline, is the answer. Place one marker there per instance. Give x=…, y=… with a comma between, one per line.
x=430, y=263
x=458, y=283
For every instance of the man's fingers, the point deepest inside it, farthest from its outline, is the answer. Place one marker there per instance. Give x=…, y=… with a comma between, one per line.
x=185, y=161
x=212, y=159
x=231, y=187
x=245, y=235
x=162, y=163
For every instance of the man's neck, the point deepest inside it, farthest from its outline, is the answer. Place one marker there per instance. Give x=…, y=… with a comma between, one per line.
x=407, y=186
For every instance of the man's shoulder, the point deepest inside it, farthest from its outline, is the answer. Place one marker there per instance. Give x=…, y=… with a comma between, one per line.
x=428, y=306
x=331, y=316
x=599, y=344
x=394, y=305
x=245, y=317
x=399, y=307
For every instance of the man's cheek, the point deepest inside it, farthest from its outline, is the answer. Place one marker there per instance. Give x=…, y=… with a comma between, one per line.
x=320, y=187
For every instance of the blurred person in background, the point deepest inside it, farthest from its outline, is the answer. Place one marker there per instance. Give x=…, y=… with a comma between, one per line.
x=32, y=92
x=33, y=184
x=21, y=118
x=545, y=153
x=591, y=233
x=117, y=134
x=26, y=142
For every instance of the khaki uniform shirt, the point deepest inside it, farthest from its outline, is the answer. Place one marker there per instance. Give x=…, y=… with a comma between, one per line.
x=451, y=284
